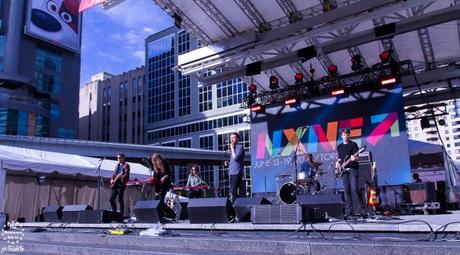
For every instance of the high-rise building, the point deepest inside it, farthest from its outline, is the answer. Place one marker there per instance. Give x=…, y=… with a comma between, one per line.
x=449, y=132
x=39, y=68
x=112, y=107
x=182, y=113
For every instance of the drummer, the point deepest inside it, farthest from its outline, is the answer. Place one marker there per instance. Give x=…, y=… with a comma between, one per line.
x=310, y=167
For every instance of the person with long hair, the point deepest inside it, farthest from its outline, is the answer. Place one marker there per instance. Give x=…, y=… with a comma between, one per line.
x=194, y=180
x=161, y=173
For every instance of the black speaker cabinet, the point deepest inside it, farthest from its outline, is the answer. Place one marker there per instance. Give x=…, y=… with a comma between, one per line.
x=152, y=211
x=320, y=207
x=243, y=206
x=181, y=210
x=364, y=175
x=98, y=216
x=70, y=213
x=276, y=214
x=53, y=213
x=210, y=210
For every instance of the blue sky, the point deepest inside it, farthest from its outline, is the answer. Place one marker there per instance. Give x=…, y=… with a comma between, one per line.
x=113, y=40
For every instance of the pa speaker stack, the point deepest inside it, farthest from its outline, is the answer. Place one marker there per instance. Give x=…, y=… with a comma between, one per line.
x=243, y=206
x=320, y=207
x=71, y=213
x=210, y=210
x=53, y=213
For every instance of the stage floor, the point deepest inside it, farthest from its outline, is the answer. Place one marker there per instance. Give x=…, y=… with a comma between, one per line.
x=441, y=223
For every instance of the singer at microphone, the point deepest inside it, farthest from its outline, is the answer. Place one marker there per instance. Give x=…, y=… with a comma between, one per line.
x=235, y=166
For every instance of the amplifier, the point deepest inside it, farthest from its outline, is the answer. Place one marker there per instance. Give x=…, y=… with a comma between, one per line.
x=365, y=156
x=276, y=214
x=419, y=193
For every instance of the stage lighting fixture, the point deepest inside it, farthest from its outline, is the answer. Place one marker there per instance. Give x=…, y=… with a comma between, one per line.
x=250, y=100
x=274, y=85
x=338, y=91
x=389, y=80
x=298, y=78
x=385, y=56
x=332, y=70
x=177, y=20
x=356, y=63
x=442, y=122
x=291, y=101
x=252, y=87
x=425, y=122
x=257, y=108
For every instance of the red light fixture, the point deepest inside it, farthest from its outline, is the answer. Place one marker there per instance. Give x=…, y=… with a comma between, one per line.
x=338, y=91
x=298, y=77
x=252, y=87
x=388, y=81
x=290, y=101
x=385, y=56
x=257, y=108
x=332, y=69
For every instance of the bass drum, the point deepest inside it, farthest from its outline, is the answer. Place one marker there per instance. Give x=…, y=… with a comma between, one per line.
x=288, y=191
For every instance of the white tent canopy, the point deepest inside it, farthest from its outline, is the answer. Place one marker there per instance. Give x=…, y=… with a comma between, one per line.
x=21, y=159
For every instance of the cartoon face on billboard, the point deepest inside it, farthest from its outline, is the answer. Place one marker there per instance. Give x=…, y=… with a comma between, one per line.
x=57, y=21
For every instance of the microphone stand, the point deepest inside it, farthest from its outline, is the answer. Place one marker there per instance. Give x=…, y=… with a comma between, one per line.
x=395, y=192
x=99, y=182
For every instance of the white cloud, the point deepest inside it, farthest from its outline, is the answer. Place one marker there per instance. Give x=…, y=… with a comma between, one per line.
x=139, y=13
x=148, y=30
x=109, y=57
x=140, y=55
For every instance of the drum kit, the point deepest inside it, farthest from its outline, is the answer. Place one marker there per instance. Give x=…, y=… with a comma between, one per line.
x=305, y=184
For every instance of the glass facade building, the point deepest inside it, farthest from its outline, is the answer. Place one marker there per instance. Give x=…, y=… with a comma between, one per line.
x=181, y=112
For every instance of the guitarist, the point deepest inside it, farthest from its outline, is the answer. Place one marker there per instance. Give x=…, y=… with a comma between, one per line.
x=350, y=178
x=118, y=183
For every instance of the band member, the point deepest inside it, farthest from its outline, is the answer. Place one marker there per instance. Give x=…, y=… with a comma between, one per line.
x=235, y=165
x=194, y=180
x=118, y=183
x=162, y=173
x=350, y=178
x=416, y=178
x=310, y=167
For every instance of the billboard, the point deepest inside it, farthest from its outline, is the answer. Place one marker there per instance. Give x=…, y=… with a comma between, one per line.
x=376, y=120
x=55, y=21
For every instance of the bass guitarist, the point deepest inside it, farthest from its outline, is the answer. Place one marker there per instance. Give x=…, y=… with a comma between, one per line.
x=347, y=151
x=118, y=183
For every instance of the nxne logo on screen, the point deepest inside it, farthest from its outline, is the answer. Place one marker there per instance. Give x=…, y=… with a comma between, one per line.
x=317, y=136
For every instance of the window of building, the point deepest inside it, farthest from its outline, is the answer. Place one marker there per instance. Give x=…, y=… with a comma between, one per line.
x=183, y=176
x=231, y=92
x=48, y=60
x=54, y=111
x=206, y=142
x=161, y=87
x=185, y=143
x=207, y=173
x=184, y=95
x=205, y=98
x=169, y=144
x=47, y=82
x=224, y=139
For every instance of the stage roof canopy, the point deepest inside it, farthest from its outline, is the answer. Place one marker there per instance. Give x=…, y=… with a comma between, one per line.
x=236, y=33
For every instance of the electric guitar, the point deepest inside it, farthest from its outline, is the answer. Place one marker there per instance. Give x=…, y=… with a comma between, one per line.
x=114, y=180
x=343, y=167
x=373, y=197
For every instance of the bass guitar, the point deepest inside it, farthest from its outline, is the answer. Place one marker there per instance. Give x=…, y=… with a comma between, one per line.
x=343, y=167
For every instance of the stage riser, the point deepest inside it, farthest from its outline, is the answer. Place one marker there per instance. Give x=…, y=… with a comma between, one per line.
x=62, y=243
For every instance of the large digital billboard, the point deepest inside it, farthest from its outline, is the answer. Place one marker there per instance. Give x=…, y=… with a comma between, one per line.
x=376, y=120
x=55, y=21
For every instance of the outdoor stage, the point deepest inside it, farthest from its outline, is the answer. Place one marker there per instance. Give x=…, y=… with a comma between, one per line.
x=413, y=234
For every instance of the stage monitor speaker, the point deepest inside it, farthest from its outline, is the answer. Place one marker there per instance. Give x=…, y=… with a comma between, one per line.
x=320, y=207
x=70, y=213
x=420, y=193
x=152, y=211
x=276, y=214
x=243, y=206
x=98, y=216
x=210, y=210
x=53, y=213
